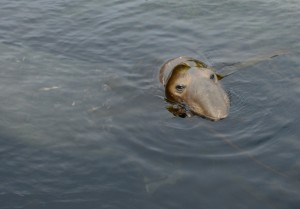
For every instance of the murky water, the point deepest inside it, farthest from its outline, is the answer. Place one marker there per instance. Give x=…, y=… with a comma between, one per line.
x=83, y=121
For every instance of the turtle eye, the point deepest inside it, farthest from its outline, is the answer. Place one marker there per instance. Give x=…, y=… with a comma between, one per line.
x=212, y=77
x=180, y=88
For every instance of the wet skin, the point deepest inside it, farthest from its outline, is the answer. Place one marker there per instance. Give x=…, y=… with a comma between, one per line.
x=194, y=87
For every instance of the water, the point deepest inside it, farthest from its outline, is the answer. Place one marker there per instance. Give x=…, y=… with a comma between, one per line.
x=83, y=121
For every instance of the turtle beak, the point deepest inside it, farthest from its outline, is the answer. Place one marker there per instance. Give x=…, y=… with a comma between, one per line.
x=208, y=99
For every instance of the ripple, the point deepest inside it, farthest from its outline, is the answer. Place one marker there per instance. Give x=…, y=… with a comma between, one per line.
x=83, y=118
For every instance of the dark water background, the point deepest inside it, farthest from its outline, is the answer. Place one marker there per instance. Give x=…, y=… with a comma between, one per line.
x=83, y=121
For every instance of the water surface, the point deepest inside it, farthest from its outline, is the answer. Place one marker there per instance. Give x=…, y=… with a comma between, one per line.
x=83, y=121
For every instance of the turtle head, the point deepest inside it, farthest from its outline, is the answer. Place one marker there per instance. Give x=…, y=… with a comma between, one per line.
x=198, y=89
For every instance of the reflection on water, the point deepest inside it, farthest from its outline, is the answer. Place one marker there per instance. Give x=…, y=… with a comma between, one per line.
x=83, y=120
